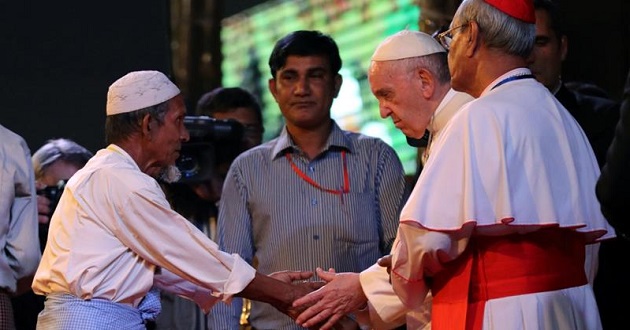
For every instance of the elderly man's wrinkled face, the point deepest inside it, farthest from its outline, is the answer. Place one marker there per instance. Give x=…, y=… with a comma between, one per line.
x=398, y=97
x=166, y=139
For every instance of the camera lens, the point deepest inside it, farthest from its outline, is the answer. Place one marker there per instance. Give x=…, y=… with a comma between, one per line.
x=187, y=165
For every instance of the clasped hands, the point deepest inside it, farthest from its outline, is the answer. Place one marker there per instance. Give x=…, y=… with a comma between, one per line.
x=328, y=306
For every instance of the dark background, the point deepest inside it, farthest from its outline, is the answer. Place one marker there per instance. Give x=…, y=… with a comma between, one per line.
x=61, y=56
x=57, y=58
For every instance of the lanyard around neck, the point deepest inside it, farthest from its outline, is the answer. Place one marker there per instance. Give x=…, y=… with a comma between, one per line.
x=303, y=176
x=512, y=78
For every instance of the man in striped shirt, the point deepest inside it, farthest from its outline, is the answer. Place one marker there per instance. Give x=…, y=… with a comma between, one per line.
x=316, y=196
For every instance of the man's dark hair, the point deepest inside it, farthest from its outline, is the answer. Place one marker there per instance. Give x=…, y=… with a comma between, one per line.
x=555, y=17
x=304, y=43
x=587, y=88
x=222, y=100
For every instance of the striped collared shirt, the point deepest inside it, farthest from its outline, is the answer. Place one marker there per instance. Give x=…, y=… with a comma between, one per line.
x=270, y=212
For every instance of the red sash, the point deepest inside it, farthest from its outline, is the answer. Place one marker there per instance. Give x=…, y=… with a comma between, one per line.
x=501, y=266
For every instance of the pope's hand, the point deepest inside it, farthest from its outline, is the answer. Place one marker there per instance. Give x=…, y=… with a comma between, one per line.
x=341, y=295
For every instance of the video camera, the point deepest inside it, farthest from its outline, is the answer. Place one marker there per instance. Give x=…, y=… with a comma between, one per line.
x=213, y=145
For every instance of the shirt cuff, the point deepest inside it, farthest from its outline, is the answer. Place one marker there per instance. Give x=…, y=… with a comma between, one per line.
x=240, y=277
x=384, y=306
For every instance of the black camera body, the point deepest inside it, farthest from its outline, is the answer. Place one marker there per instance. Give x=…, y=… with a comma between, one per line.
x=213, y=143
x=53, y=193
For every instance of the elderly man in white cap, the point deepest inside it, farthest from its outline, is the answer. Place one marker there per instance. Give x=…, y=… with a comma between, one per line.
x=114, y=236
x=409, y=76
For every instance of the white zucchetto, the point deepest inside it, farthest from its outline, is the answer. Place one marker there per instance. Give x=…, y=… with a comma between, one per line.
x=137, y=90
x=405, y=44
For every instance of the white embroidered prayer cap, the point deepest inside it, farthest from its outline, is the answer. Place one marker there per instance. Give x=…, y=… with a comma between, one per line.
x=405, y=44
x=137, y=90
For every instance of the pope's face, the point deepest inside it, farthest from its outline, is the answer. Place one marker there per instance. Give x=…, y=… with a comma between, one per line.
x=398, y=95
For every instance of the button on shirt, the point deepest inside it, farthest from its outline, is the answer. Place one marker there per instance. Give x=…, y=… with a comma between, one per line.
x=269, y=212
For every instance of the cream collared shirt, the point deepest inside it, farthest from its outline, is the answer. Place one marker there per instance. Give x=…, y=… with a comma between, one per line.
x=113, y=236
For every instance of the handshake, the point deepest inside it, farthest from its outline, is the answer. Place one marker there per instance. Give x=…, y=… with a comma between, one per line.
x=325, y=304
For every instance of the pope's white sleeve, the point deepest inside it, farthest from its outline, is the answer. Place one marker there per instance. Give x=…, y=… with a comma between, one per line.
x=384, y=310
x=420, y=253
